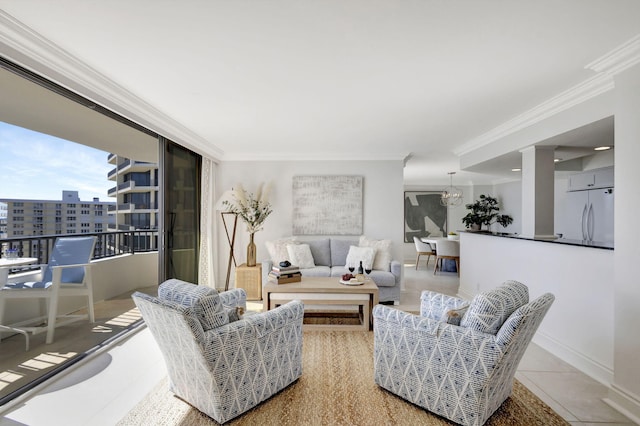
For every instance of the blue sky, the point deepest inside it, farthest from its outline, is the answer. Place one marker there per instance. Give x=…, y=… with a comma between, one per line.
x=38, y=166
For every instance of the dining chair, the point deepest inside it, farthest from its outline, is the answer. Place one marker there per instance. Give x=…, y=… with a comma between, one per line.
x=68, y=273
x=447, y=249
x=422, y=248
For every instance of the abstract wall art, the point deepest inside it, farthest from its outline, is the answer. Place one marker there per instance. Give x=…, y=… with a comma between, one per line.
x=327, y=205
x=424, y=216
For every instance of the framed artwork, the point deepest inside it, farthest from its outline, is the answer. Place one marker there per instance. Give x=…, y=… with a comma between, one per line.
x=424, y=216
x=327, y=205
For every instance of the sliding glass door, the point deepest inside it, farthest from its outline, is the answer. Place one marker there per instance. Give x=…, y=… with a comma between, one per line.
x=181, y=171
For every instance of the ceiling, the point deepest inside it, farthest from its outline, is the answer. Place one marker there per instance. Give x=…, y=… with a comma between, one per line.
x=336, y=79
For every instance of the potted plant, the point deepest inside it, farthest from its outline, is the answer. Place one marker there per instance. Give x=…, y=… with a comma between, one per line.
x=484, y=211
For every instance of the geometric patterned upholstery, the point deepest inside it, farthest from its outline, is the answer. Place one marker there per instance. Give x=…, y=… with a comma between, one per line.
x=454, y=371
x=488, y=310
x=229, y=369
x=441, y=307
x=204, y=300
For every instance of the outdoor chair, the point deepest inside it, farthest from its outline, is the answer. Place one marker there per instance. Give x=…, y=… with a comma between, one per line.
x=462, y=372
x=68, y=273
x=219, y=361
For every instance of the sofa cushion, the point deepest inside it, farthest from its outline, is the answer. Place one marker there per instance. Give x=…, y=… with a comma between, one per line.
x=205, y=301
x=278, y=249
x=382, y=260
x=321, y=251
x=339, y=251
x=383, y=278
x=360, y=254
x=300, y=255
x=318, y=271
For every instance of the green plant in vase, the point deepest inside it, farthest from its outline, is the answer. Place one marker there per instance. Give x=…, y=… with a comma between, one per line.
x=485, y=211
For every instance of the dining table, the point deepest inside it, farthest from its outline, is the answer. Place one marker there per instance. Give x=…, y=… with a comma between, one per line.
x=449, y=264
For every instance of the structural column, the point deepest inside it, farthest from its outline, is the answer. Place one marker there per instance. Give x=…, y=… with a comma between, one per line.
x=538, y=174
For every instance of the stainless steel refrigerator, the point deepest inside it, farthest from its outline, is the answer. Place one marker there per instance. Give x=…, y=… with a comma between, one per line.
x=589, y=215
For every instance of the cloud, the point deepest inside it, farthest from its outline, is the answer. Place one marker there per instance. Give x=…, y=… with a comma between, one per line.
x=38, y=166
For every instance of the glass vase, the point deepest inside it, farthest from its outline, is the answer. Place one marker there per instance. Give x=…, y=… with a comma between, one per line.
x=251, y=251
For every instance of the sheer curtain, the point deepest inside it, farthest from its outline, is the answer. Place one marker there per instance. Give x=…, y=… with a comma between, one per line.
x=206, y=268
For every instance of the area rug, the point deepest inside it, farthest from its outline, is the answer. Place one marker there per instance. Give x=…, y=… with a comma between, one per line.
x=336, y=388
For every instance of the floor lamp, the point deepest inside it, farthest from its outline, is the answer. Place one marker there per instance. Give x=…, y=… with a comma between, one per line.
x=231, y=239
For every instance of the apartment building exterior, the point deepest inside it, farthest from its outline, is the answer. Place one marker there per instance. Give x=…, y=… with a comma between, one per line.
x=3, y=220
x=70, y=215
x=136, y=194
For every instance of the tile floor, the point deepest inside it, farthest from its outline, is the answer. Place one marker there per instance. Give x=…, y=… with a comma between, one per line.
x=101, y=390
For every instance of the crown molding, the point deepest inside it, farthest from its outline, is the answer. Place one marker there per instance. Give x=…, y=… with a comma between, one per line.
x=578, y=94
x=337, y=156
x=27, y=48
x=617, y=60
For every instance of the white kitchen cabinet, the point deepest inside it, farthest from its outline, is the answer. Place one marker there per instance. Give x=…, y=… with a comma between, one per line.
x=597, y=178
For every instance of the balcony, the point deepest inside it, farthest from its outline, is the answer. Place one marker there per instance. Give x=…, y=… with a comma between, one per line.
x=134, y=208
x=123, y=262
x=131, y=186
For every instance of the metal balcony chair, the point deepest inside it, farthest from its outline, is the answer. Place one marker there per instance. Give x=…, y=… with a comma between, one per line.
x=68, y=273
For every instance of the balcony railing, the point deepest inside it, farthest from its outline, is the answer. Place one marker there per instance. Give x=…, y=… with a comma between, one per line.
x=108, y=244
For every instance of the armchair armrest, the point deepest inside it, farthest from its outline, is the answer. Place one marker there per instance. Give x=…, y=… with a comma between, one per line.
x=255, y=326
x=397, y=318
x=57, y=271
x=396, y=270
x=266, y=268
x=234, y=297
x=433, y=305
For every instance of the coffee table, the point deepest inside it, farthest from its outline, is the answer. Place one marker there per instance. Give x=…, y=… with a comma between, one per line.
x=325, y=291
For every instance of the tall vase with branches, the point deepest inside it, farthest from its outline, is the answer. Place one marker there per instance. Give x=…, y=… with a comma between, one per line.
x=253, y=209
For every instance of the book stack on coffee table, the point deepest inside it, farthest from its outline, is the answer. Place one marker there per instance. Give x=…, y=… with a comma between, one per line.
x=285, y=274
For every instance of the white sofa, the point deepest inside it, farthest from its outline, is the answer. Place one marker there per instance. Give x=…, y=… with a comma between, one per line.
x=329, y=258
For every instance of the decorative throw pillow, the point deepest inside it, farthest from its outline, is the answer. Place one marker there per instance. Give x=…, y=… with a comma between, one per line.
x=485, y=313
x=205, y=301
x=357, y=254
x=382, y=260
x=278, y=249
x=300, y=256
x=454, y=315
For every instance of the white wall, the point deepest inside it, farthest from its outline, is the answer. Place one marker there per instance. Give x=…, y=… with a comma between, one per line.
x=626, y=385
x=382, y=201
x=510, y=197
x=579, y=326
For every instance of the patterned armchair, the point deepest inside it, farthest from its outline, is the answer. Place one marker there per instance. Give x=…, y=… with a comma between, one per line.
x=462, y=372
x=222, y=364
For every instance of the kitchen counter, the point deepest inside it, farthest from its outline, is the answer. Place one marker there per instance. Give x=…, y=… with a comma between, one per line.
x=581, y=243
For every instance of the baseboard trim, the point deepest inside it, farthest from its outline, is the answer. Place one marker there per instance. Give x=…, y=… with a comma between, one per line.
x=588, y=366
x=624, y=402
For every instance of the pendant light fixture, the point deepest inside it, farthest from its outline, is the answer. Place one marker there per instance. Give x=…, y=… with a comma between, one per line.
x=451, y=196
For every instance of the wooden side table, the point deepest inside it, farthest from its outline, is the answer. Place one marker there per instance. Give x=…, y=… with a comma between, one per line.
x=250, y=279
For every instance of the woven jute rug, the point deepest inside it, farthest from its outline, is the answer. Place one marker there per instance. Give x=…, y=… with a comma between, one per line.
x=336, y=388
